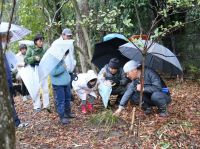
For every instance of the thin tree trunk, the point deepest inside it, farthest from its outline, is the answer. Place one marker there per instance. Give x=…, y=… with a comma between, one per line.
x=7, y=129
x=81, y=42
x=81, y=7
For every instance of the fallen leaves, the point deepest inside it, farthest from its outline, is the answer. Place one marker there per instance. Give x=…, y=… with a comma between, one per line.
x=180, y=130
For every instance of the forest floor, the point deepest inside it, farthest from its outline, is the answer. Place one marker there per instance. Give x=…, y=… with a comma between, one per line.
x=180, y=130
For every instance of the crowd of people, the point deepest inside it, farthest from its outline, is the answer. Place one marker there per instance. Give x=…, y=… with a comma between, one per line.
x=124, y=80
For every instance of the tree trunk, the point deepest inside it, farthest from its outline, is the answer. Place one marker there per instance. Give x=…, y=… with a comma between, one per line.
x=7, y=129
x=82, y=7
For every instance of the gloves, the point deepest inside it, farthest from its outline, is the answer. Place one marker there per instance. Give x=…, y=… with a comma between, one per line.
x=115, y=82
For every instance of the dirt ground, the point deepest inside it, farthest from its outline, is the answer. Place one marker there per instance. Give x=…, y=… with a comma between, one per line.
x=180, y=130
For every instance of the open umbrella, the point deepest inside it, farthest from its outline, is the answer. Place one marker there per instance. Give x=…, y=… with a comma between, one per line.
x=114, y=35
x=18, y=32
x=158, y=57
x=106, y=50
x=26, y=42
x=53, y=56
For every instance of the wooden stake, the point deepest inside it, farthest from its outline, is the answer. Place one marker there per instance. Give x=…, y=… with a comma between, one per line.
x=133, y=119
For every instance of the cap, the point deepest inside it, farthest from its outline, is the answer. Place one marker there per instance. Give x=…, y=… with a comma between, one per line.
x=114, y=63
x=67, y=31
x=131, y=65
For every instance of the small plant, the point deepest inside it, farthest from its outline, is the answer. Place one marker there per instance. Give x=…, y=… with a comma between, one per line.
x=164, y=145
x=105, y=118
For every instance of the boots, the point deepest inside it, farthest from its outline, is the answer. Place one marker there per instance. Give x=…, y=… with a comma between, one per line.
x=90, y=107
x=84, y=109
x=163, y=111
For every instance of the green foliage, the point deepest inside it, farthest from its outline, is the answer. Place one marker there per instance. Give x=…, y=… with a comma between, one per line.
x=31, y=16
x=183, y=3
x=105, y=118
x=161, y=31
x=106, y=20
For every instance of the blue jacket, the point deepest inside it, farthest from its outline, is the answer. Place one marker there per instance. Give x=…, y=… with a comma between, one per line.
x=8, y=72
x=59, y=75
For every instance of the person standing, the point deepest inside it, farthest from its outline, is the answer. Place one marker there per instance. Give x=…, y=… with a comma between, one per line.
x=60, y=79
x=33, y=57
x=16, y=119
x=20, y=57
x=70, y=60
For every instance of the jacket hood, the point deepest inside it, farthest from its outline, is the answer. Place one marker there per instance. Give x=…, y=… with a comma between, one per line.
x=90, y=75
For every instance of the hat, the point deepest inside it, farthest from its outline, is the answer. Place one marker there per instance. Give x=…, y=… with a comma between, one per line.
x=67, y=31
x=131, y=65
x=114, y=63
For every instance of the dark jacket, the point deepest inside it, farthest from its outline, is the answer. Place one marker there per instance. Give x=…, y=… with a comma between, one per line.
x=119, y=76
x=152, y=83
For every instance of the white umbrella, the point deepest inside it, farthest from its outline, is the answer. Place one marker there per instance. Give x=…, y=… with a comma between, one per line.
x=12, y=60
x=52, y=57
x=26, y=42
x=18, y=32
x=30, y=78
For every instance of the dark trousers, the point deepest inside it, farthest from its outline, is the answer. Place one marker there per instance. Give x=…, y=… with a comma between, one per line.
x=158, y=99
x=24, y=90
x=62, y=99
x=14, y=113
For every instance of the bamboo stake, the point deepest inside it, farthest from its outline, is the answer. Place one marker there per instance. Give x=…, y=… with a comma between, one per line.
x=133, y=119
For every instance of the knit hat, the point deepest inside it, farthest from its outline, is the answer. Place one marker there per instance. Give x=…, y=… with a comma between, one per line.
x=131, y=65
x=67, y=31
x=114, y=63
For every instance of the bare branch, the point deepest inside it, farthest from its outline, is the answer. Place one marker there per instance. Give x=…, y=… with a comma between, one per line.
x=59, y=10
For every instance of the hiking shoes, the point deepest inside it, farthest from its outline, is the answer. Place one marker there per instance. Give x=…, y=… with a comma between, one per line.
x=71, y=115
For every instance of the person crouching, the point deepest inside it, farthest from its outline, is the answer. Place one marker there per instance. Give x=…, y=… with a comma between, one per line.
x=84, y=87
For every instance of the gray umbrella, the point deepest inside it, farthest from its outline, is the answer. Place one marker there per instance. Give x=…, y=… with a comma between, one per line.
x=158, y=58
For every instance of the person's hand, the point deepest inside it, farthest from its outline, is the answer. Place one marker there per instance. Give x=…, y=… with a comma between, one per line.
x=115, y=82
x=138, y=87
x=37, y=58
x=117, y=112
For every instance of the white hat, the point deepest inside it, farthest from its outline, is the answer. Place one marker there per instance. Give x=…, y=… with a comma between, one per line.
x=131, y=65
x=67, y=31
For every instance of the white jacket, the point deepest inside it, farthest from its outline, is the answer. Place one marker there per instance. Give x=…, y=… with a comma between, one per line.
x=20, y=64
x=70, y=60
x=80, y=86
